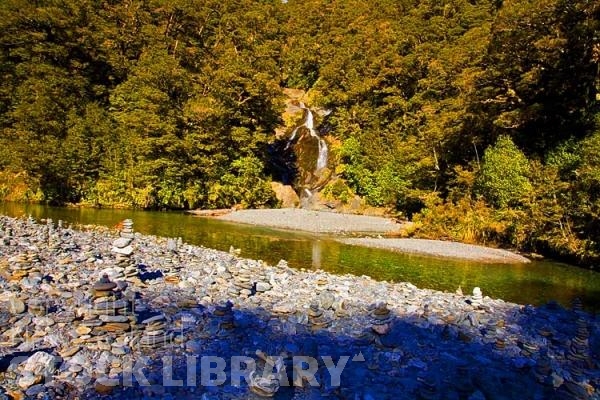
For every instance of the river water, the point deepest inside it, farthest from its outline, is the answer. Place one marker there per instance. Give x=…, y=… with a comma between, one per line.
x=535, y=283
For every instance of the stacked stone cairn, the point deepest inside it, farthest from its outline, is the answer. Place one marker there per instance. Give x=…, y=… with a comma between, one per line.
x=24, y=265
x=123, y=251
x=110, y=312
x=380, y=318
x=543, y=369
x=225, y=315
x=500, y=344
x=267, y=385
x=242, y=281
x=171, y=266
x=476, y=298
x=155, y=333
x=316, y=317
x=579, y=349
x=261, y=281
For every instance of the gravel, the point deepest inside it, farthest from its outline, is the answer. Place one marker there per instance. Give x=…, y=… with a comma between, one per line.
x=438, y=248
x=313, y=221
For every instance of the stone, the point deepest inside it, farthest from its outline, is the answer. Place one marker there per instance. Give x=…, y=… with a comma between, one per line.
x=28, y=379
x=477, y=297
x=70, y=352
x=83, y=330
x=114, y=327
x=40, y=364
x=262, y=287
x=105, y=386
x=16, y=306
x=114, y=318
x=286, y=195
x=121, y=242
x=125, y=251
x=103, y=286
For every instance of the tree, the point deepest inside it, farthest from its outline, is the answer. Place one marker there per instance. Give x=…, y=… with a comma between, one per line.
x=503, y=179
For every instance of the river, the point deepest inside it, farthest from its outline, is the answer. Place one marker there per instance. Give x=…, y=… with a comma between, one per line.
x=535, y=283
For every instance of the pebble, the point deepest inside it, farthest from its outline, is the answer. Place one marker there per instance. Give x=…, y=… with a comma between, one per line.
x=419, y=342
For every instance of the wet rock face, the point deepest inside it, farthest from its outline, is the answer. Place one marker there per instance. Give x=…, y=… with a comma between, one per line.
x=69, y=311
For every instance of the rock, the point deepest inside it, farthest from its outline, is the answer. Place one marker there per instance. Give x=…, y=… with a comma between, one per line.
x=28, y=379
x=83, y=330
x=16, y=306
x=121, y=242
x=125, y=251
x=40, y=364
x=262, y=286
x=114, y=318
x=103, y=285
x=286, y=195
x=104, y=386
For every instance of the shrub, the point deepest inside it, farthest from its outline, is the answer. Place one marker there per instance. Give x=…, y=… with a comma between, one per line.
x=503, y=179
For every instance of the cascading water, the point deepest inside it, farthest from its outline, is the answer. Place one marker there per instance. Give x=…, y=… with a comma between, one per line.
x=309, y=124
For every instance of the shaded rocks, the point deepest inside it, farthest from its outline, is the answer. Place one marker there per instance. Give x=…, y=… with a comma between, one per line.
x=156, y=333
x=380, y=318
x=316, y=317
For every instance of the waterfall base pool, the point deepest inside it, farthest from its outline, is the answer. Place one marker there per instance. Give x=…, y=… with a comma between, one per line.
x=535, y=283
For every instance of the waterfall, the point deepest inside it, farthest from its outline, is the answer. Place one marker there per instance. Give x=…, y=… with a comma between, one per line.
x=323, y=154
x=309, y=124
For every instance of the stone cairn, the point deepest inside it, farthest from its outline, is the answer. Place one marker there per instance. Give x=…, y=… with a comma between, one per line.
x=109, y=313
x=224, y=313
x=171, y=266
x=500, y=344
x=123, y=251
x=380, y=318
x=24, y=265
x=267, y=385
x=316, y=317
x=579, y=349
x=543, y=369
x=242, y=279
x=155, y=332
x=476, y=298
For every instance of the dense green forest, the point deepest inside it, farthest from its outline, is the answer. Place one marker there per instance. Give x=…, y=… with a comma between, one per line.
x=478, y=119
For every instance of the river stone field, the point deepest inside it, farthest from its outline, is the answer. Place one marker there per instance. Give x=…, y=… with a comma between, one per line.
x=98, y=313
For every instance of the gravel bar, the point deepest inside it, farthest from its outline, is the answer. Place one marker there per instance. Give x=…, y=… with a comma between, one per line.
x=438, y=248
x=313, y=221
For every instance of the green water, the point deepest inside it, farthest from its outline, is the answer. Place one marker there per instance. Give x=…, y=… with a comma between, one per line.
x=534, y=283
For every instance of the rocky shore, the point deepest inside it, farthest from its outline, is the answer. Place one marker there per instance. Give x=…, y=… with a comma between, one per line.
x=443, y=249
x=79, y=308
x=313, y=221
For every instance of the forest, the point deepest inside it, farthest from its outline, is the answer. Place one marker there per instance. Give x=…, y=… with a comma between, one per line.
x=477, y=119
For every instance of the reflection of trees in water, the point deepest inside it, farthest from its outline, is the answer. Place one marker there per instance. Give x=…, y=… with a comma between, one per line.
x=317, y=252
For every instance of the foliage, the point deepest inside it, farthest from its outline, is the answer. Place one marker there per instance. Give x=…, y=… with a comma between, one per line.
x=503, y=178
x=479, y=114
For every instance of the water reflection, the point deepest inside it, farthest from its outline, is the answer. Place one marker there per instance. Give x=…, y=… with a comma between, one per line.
x=317, y=252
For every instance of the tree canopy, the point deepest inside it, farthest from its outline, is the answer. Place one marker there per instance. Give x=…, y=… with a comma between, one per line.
x=441, y=109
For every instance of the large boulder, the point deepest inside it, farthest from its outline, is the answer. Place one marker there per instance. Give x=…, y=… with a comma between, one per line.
x=286, y=195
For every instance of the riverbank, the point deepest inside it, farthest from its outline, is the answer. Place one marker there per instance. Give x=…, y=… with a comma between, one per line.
x=349, y=224
x=314, y=221
x=79, y=307
x=442, y=249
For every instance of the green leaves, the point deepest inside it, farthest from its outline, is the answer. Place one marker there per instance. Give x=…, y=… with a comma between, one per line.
x=503, y=179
